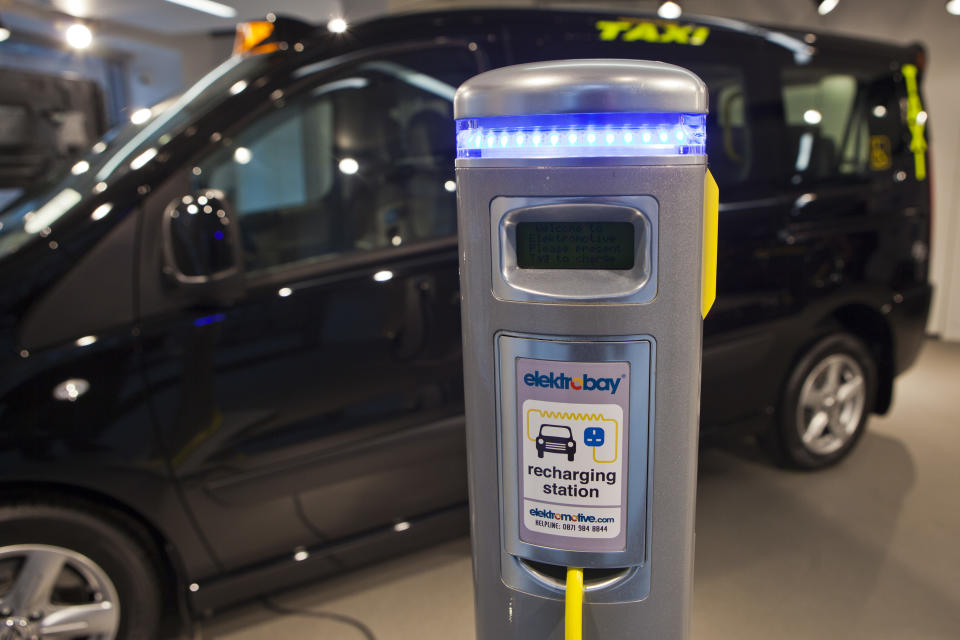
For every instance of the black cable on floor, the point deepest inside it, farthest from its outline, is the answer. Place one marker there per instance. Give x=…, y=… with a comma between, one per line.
x=336, y=617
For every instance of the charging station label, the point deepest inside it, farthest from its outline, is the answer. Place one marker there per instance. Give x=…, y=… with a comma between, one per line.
x=572, y=442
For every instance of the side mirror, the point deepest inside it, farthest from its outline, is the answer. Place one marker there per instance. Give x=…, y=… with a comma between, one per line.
x=201, y=245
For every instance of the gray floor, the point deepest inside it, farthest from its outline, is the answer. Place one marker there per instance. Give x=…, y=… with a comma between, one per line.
x=869, y=549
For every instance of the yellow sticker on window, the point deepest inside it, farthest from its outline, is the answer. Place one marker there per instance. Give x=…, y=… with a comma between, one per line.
x=880, y=151
x=916, y=121
x=632, y=30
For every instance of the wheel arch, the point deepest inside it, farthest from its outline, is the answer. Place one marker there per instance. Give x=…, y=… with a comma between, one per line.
x=871, y=326
x=169, y=565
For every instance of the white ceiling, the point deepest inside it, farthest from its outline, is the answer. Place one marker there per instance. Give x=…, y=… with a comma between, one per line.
x=166, y=18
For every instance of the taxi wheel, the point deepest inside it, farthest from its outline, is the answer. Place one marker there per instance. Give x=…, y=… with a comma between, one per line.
x=71, y=573
x=826, y=403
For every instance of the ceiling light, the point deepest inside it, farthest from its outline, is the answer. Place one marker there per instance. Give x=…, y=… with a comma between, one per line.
x=669, y=10
x=337, y=25
x=71, y=389
x=242, y=155
x=79, y=36
x=5, y=33
x=383, y=276
x=349, y=166
x=812, y=116
x=237, y=87
x=141, y=160
x=140, y=115
x=826, y=6
x=953, y=7
x=207, y=6
x=80, y=168
x=101, y=212
x=53, y=210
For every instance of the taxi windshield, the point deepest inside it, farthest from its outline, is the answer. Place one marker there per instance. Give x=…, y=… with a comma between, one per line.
x=122, y=150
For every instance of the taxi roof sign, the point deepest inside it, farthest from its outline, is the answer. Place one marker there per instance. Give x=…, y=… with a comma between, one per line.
x=266, y=36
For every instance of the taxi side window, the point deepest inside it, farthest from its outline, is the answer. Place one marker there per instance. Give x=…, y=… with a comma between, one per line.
x=729, y=141
x=361, y=161
x=837, y=122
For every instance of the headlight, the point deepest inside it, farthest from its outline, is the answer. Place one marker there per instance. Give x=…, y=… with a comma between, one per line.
x=570, y=444
x=539, y=440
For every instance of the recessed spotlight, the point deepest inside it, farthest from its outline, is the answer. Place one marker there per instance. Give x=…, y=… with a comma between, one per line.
x=141, y=160
x=953, y=7
x=812, y=116
x=140, y=115
x=242, y=155
x=669, y=10
x=349, y=166
x=337, y=25
x=383, y=276
x=79, y=36
x=826, y=6
x=101, y=212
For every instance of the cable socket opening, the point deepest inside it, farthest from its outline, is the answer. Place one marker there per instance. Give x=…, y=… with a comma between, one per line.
x=555, y=576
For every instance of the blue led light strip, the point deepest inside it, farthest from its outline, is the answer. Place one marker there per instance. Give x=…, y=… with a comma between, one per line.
x=582, y=135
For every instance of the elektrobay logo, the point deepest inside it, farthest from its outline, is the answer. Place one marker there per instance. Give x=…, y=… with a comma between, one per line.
x=562, y=381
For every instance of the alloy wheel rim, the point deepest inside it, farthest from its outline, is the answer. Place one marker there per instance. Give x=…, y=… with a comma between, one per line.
x=832, y=401
x=31, y=610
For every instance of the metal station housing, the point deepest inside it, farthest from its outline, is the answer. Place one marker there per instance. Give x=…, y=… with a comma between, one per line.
x=584, y=140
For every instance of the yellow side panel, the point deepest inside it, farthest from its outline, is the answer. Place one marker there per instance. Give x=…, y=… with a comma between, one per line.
x=711, y=223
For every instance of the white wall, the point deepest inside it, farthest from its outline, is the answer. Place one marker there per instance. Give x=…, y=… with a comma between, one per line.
x=897, y=21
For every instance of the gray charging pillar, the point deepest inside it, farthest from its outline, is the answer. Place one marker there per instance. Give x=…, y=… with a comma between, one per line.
x=581, y=192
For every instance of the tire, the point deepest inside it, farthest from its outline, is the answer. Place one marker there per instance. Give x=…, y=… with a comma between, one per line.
x=88, y=561
x=831, y=391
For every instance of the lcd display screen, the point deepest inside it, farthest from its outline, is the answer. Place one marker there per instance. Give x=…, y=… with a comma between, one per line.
x=575, y=245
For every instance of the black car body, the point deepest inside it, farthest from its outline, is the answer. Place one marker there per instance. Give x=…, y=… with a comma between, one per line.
x=309, y=399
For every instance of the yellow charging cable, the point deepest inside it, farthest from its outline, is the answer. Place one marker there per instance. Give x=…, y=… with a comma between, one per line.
x=573, y=620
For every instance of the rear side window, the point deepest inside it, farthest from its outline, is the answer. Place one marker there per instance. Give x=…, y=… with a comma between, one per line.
x=838, y=122
x=362, y=160
x=729, y=143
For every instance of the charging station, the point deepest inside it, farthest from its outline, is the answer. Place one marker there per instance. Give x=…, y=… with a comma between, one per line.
x=587, y=228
